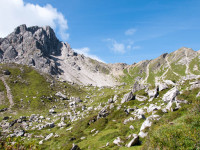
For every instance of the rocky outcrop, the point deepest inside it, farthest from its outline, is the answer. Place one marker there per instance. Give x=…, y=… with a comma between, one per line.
x=127, y=97
x=31, y=46
x=170, y=95
x=137, y=87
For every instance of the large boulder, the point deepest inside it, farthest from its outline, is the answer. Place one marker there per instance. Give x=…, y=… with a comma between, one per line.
x=19, y=133
x=173, y=106
x=103, y=113
x=115, y=98
x=77, y=100
x=140, y=98
x=118, y=141
x=162, y=86
x=127, y=97
x=134, y=141
x=52, y=111
x=153, y=107
x=195, y=85
x=171, y=95
x=146, y=124
x=138, y=87
x=61, y=95
x=50, y=125
x=6, y=72
x=198, y=94
x=75, y=147
x=153, y=93
x=169, y=82
x=110, y=100
x=48, y=136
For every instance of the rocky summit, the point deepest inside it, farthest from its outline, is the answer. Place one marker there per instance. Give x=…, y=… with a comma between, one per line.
x=39, y=47
x=54, y=98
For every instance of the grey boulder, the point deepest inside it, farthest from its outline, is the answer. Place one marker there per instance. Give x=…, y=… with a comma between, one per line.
x=128, y=97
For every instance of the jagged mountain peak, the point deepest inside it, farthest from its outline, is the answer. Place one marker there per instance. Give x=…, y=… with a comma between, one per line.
x=39, y=47
x=33, y=29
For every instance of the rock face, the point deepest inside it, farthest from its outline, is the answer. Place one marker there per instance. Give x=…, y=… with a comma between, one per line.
x=39, y=47
x=31, y=46
x=170, y=95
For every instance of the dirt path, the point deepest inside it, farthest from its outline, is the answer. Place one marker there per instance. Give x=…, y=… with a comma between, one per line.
x=147, y=76
x=8, y=91
x=187, y=70
x=169, y=67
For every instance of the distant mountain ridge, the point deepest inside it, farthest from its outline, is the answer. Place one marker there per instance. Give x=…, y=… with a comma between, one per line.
x=174, y=66
x=39, y=47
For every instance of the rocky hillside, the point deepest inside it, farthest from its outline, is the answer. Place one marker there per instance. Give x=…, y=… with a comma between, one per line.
x=153, y=104
x=181, y=63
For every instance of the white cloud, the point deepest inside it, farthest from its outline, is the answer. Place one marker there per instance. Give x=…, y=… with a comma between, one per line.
x=130, y=31
x=122, y=47
x=116, y=46
x=85, y=51
x=16, y=12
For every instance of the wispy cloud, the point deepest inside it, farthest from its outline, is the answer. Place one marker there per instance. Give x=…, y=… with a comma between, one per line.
x=130, y=31
x=16, y=12
x=121, y=47
x=86, y=51
x=116, y=46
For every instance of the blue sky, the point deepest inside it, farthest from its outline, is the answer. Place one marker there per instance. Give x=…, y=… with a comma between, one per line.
x=128, y=30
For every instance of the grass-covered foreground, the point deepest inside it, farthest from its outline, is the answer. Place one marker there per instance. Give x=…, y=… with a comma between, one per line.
x=76, y=119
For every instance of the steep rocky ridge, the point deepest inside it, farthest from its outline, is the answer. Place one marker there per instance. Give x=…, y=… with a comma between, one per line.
x=39, y=47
